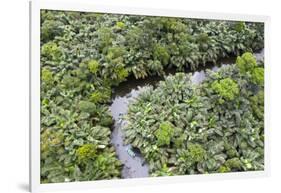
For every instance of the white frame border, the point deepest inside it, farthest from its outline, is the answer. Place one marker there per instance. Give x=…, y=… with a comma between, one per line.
x=34, y=73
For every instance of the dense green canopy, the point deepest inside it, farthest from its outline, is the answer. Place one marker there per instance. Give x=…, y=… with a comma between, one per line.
x=186, y=128
x=85, y=55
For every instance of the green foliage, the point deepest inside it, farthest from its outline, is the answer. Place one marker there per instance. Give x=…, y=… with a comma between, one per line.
x=75, y=154
x=103, y=166
x=115, y=52
x=87, y=107
x=99, y=97
x=50, y=29
x=226, y=88
x=93, y=66
x=224, y=169
x=207, y=137
x=86, y=152
x=246, y=63
x=196, y=152
x=74, y=94
x=161, y=53
x=120, y=24
x=105, y=37
x=257, y=104
x=240, y=26
x=257, y=76
x=164, y=171
x=164, y=133
x=106, y=121
x=189, y=158
x=52, y=51
x=84, y=55
x=104, y=162
x=121, y=73
x=232, y=152
x=233, y=163
x=175, y=42
x=47, y=76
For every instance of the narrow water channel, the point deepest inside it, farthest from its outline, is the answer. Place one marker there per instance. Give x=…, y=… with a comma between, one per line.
x=134, y=165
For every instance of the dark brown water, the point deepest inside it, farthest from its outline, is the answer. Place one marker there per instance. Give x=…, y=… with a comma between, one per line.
x=135, y=167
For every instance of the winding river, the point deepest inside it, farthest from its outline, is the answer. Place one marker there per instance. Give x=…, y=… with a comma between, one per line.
x=134, y=165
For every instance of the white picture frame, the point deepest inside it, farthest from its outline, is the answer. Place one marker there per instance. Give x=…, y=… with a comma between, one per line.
x=36, y=6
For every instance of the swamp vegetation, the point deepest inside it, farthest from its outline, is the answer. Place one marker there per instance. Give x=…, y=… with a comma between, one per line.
x=215, y=126
x=179, y=127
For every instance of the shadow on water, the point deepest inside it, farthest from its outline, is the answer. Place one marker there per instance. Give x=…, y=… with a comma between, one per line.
x=134, y=165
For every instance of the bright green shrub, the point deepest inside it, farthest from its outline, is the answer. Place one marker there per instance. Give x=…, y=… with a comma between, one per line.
x=52, y=51
x=164, y=133
x=97, y=97
x=246, y=63
x=189, y=158
x=93, y=66
x=224, y=169
x=120, y=24
x=196, y=152
x=257, y=76
x=86, y=152
x=46, y=76
x=121, y=73
x=226, y=88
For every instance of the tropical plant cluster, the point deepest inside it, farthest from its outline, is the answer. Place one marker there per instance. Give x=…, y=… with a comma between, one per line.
x=216, y=126
x=85, y=55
